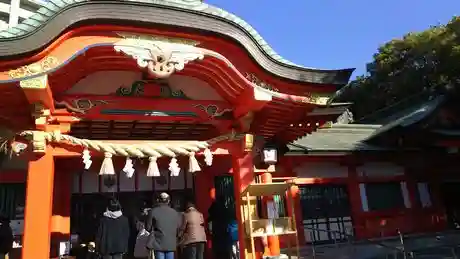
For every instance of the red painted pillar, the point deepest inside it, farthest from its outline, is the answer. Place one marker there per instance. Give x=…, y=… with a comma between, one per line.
x=204, y=196
x=39, y=205
x=243, y=173
x=60, y=219
x=272, y=241
x=355, y=200
x=294, y=192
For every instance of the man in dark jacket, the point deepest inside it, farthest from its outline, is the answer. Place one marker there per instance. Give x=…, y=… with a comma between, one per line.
x=6, y=237
x=163, y=223
x=113, y=233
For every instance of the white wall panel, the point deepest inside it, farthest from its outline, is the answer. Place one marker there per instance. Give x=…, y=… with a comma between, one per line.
x=363, y=196
x=405, y=194
x=424, y=194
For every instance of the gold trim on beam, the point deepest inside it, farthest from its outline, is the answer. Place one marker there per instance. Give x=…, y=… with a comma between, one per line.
x=149, y=37
x=313, y=98
x=36, y=68
x=40, y=82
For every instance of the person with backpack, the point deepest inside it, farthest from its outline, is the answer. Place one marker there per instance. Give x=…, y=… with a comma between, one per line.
x=233, y=234
x=113, y=233
x=6, y=237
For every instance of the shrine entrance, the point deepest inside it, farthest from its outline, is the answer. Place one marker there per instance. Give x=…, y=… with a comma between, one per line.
x=136, y=193
x=326, y=212
x=450, y=192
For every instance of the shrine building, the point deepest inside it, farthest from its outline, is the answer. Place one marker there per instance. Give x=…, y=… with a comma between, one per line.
x=133, y=98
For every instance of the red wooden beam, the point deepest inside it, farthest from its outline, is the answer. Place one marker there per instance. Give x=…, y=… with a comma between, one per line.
x=251, y=100
x=110, y=107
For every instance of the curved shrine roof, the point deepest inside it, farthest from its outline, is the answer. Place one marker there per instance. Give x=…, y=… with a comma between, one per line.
x=57, y=15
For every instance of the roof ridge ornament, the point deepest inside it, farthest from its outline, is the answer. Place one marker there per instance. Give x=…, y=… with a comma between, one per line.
x=161, y=56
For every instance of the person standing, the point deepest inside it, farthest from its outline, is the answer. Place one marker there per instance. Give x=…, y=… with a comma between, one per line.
x=219, y=220
x=113, y=233
x=6, y=237
x=163, y=223
x=193, y=235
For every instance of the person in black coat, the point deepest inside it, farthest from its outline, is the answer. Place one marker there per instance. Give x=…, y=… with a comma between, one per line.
x=6, y=237
x=163, y=223
x=219, y=218
x=113, y=233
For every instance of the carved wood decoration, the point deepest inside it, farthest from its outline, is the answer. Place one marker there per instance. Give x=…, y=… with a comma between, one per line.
x=41, y=67
x=110, y=107
x=157, y=88
x=40, y=82
x=40, y=114
x=80, y=105
x=161, y=57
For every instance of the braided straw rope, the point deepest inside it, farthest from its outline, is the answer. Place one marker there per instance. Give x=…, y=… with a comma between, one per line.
x=153, y=149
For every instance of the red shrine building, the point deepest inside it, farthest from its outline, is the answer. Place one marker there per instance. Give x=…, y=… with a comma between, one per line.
x=133, y=98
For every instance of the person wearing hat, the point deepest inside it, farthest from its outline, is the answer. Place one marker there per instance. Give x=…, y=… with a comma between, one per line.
x=6, y=237
x=163, y=224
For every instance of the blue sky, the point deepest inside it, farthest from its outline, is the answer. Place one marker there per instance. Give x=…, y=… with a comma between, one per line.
x=337, y=33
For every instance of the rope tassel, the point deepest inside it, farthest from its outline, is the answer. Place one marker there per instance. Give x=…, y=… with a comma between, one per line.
x=152, y=170
x=128, y=169
x=208, y=157
x=193, y=165
x=107, y=165
x=174, y=167
x=87, y=159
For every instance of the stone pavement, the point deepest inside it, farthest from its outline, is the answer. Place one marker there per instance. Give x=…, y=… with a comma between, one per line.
x=435, y=246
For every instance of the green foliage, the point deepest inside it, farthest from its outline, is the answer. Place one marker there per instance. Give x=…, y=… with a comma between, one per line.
x=423, y=61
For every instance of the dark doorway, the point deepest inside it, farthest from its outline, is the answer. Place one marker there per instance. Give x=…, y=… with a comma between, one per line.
x=449, y=194
x=225, y=190
x=326, y=212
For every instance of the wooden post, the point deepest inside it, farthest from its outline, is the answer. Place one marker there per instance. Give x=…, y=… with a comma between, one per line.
x=295, y=212
x=272, y=240
x=293, y=190
x=39, y=205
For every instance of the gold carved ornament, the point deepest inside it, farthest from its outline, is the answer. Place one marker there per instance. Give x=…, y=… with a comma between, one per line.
x=42, y=66
x=313, y=98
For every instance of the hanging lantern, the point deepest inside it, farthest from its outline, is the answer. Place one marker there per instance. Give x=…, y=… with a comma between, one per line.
x=270, y=155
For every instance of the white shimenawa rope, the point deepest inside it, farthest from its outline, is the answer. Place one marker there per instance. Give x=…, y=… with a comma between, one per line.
x=155, y=149
x=151, y=150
